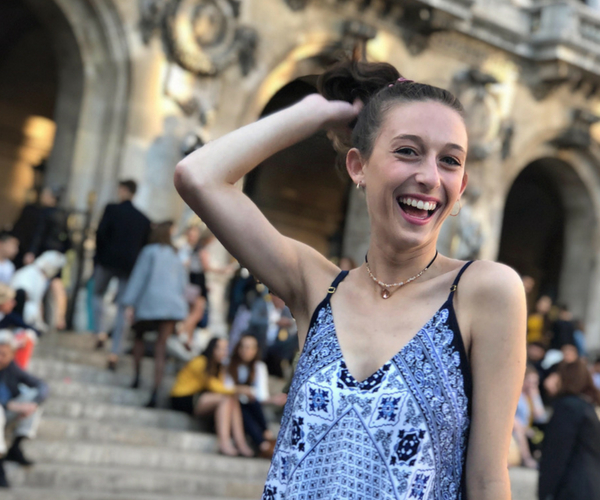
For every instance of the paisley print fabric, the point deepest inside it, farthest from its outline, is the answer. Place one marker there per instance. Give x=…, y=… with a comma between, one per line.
x=400, y=434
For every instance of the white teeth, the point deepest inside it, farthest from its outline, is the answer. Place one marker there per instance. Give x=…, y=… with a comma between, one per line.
x=427, y=205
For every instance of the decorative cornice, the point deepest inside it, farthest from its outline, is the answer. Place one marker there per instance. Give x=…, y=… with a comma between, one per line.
x=551, y=33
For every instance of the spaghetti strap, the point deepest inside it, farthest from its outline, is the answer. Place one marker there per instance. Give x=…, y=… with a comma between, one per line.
x=457, y=279
x=338, y=279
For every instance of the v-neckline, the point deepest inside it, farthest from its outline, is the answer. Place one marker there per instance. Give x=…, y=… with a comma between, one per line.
x=398, y=353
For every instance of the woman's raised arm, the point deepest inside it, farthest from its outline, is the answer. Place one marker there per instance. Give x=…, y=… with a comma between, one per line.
x=205, y=180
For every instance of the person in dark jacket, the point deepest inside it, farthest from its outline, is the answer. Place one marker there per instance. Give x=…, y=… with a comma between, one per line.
x=49, y=232
x=121, y=234
x=570, y=465
x=20, y=397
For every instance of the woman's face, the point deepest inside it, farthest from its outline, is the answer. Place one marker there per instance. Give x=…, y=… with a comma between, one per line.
x=220, y=352
x=417, y=159
x=193, y=235
x=248, y=349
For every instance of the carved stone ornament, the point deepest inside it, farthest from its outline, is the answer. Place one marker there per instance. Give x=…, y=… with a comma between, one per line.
x=577, y=135
x=151, y=15
x=482, y=111
x=204, y=38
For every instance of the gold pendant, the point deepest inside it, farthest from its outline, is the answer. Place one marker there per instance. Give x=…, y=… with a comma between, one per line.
x=385, y=294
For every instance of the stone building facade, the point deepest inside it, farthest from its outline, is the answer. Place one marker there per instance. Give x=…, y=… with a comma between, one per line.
x=110, y=89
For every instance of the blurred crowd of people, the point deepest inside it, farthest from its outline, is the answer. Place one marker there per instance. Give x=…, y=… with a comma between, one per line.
x=556, y=427
x=149, y=287
x=156, y=284
x=32, y=256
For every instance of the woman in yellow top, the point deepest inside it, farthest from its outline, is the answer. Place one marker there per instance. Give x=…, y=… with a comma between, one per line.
x=200, y=390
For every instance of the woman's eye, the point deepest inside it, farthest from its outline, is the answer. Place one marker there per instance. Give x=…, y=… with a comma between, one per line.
x=406, y=151
x=451, y=161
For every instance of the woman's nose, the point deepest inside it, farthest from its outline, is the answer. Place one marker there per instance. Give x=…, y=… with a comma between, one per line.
x=428, y=174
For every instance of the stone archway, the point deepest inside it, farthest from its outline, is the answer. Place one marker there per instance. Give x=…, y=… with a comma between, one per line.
x=299, y=189
x=27, y=103
x=92, y=54
x=549, y=232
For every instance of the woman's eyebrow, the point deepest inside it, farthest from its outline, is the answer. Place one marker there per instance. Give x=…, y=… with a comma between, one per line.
x=451, y=145
x=415, y=138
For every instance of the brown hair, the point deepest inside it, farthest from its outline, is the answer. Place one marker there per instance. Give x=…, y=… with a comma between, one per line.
x=213, y=367
x=161, y=233
x=236, y=361
x=377, y=86
x=577, y=380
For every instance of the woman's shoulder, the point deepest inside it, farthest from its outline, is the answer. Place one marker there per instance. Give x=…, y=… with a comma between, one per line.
x=260, y=365
x=198, y=363
x=486, y=280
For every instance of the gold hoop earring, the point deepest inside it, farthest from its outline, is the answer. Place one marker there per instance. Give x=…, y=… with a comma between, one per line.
x=459, y=208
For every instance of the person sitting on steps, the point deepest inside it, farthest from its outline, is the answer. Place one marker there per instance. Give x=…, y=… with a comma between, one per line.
x=200, y=390
x=20, y=397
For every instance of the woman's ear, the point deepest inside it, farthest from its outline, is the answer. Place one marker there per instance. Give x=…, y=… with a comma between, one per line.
x=463, y=185
x=355, y=166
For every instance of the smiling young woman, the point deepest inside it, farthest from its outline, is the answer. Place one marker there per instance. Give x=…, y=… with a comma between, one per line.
x=410, y=370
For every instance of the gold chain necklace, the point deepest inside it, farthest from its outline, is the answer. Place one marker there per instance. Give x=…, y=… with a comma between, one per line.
x=385, y=287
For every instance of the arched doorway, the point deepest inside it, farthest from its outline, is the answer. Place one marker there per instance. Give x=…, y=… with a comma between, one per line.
x=76, y=52
x=299, y=189
x=548, y=231
x=28, y=89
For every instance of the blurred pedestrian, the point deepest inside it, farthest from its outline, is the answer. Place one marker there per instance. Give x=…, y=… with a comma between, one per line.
x=579, y=338
x=20, y=397
x=200, y=390
x=122, y=232
x=34, y=279
x=50, y=233
x=155, y=298
x=25, y=226
x=538, y=324
x=570, y=464
x=530, y=410
x=596, y=372
x=194, y=259
x=563, y=329
x=25, y=335
x=9, y=248
x=246, y=369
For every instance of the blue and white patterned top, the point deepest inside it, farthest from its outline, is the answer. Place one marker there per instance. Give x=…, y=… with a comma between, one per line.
x=400, y=434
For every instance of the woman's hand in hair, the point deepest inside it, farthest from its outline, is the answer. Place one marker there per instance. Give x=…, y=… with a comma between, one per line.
x=335, y=114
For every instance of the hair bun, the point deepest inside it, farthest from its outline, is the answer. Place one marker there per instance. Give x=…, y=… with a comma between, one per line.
x=349, y=80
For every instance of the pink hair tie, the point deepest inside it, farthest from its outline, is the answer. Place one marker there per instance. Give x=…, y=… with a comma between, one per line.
x=401, y=80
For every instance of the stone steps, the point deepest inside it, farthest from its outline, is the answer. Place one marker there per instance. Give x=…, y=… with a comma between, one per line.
x=99, y=393
x=59, y=476
x=97, y=442
x=132, y=415
x=159, y=458
x=89, y=430
x=44, y=494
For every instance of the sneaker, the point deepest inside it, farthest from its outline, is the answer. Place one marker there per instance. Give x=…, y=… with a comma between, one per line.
x=15, y=454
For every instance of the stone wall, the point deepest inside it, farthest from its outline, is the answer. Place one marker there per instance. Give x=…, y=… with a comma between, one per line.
x=140, y=81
